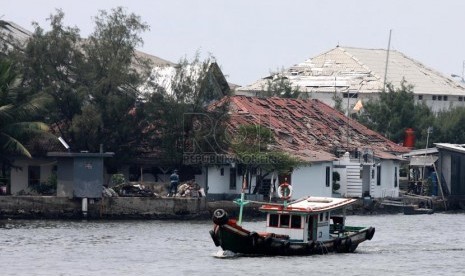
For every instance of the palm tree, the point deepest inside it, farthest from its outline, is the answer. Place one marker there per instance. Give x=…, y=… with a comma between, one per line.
x=16, y=126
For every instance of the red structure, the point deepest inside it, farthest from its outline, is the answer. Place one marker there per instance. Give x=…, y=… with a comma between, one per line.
x=409, y=138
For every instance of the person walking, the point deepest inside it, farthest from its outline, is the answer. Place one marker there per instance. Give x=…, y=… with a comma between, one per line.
x=174, y=181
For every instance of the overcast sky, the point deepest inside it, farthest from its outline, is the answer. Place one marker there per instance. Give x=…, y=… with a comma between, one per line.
x=251, y=38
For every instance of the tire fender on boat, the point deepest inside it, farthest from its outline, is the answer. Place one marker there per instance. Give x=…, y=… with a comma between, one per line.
x=220, y=217
x=281, y=191
x=348, y=244
x=253, y=236
x=337, y=242
x=214, y=238
x=370, y=233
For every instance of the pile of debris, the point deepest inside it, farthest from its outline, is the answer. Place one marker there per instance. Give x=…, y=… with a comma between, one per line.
x=190, y=189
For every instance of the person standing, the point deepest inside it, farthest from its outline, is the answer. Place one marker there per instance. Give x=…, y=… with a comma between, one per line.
x=174, y=181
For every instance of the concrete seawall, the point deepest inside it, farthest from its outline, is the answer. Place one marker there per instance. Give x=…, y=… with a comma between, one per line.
x=50, y=207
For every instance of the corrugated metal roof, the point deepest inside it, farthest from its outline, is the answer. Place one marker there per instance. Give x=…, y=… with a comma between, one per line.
x=13, y=35
x=308, y=128
x=452, y=147
x=363, y=70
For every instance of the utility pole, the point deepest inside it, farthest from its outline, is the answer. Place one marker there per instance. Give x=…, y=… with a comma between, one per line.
x=387, y=60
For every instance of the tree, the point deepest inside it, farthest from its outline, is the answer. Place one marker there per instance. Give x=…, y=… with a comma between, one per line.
x=252, y=148
x=93, y=82
x=178, y=116
x=279, y=85
x=16, y=127
x=394, y=111
x=449, y=126
x=114, y=74
x=52, y=63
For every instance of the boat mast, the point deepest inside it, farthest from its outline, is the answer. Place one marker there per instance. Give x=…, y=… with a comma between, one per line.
x=241, y=201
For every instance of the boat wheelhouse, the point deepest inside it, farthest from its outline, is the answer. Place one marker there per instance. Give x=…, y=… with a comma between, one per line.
x=302, y=227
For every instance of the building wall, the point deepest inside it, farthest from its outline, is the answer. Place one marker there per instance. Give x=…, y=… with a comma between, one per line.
x=19, y=177
x=445, y=167
x=389, y=175
x=352, y=176
x=311, y=180
x=219, y=181
x=307, y=180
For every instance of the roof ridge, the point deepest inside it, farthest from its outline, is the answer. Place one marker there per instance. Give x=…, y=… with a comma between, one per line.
x=343, y=49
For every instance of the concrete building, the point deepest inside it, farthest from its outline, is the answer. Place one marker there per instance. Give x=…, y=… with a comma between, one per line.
x=323, y=138
x=361, y=74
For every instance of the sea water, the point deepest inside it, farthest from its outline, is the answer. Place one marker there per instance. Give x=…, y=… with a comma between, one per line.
x=402, y=245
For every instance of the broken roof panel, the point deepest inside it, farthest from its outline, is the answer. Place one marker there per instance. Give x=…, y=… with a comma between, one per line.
x=308, y=127
x=362, y=70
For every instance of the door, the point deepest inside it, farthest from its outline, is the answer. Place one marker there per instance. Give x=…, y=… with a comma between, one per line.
x=366, y=180
x=312, y=227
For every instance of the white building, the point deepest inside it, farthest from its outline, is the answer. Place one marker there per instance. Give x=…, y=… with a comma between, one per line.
x=357, y=73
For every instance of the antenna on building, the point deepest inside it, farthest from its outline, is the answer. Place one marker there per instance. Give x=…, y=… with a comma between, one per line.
x=387, y=60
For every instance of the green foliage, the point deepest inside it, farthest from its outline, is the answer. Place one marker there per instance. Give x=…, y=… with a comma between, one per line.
x=449, y=126
x=395, y=111
x=46, y=188
x=179, y=119
x=93, y=83
x=16, y=116
x=280, y=86
x=252, y=147
x=337, y=102
x=117, y=179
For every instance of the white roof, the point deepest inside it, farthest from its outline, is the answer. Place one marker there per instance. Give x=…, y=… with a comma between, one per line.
x=453, y=147
x=17, y=33
x=362, y=70
x=310, y=204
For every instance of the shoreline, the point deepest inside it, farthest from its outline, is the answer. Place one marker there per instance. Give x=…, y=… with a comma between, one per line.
x=160, y=208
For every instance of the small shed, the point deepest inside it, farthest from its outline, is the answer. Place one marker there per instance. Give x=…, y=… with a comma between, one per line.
x=80, y=175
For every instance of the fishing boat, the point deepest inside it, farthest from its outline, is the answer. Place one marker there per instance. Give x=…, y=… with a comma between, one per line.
x=302, y=227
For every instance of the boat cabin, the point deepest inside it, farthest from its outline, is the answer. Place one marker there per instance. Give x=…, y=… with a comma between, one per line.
x=306, y=220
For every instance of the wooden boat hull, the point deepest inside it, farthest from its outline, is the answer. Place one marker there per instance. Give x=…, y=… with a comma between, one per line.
x=230, y=236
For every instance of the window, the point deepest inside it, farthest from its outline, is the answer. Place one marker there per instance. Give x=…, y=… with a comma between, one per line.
x=33, y=176
x=321, y=216
x=395, y=176
x=460, y=99
x=285, y=221
x=350, y=95
x=328, y=171
x=222, y=171
x=378, y=176
x=434, y=97
x=420, y=97
x=274, y=220
x=439, y=98
x=445, y=98
x=296, y=222
x=232, y=178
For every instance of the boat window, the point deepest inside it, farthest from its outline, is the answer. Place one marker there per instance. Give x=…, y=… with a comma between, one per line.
x=274, y=220
x=285, y=221
x=321, y=216
x=327, y=216
x=296, y=222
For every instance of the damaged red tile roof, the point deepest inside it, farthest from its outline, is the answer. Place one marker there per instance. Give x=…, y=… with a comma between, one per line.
x=308, y=128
